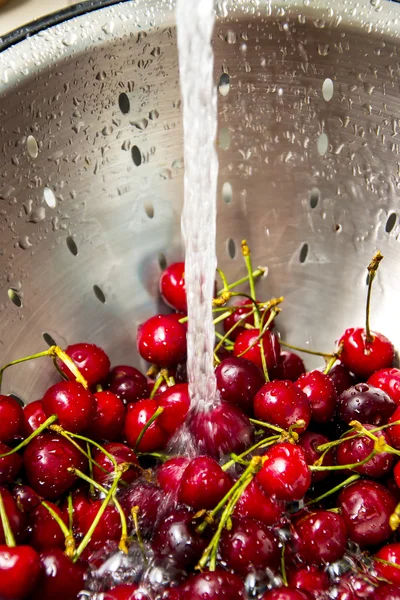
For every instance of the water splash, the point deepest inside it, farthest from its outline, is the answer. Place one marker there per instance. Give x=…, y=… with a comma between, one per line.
x=195, y=22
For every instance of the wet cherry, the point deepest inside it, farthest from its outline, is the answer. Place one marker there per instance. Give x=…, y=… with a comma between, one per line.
x=256, y=504
x=238, y=380
x=283, y=404
x=9, y=465
x=137, y=415
x=148, y=498
x=286, y=593
x=34, y=416
x=162, y=340
x=244, y=307
x=92, y=362
x=11, y=419
x=213, y=585
x=59, y=577
x=16, y=517
x=109, y=527
x=121, y=454
x=169, y=474
x=73, y=405
x=127, y=383
x=285, y=472
x=108, y=417
x=126, y=591
x=387, y=380
x=172, y=286
x=321, y=537
x=363, y=357
x=394, y=431
x=321, y=393
x=341, y=377
x=366, y=404
x=357, y=449
x=389, y=553
x=203, y=483
x=176, y=403
x=309, y=442
x=19, y=572
x=244, y=347
x=45, y=531
x=290, y=366
x=26, y=498
x=311, y=579
x=387, y=591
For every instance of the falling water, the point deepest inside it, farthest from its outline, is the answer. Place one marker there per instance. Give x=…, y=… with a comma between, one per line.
x=195, y=21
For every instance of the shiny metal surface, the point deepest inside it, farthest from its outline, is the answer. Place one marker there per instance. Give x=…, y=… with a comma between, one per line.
x=91, y=170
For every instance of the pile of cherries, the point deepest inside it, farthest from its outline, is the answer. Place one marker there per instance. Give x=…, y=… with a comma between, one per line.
x=112, y=487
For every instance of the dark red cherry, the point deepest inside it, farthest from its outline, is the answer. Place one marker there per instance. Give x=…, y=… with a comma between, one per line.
x=19, y=572
x=238, y=381
x=148, y=498
x=286, y=593
x=389, y=553
x=11, y=419
x=126, y=591
x=249, y=546
x=256, y=504
x=244, y=307
x=26, y=498
x=16, y=517
x=309, y=442
x=355, y=587
x=213, y=585
x=283, y=404
x=172, y=286
x=80, y=504
x=170, y=473
x=162, y=340
x=108, y=528
x=387, y=591
x=366, y=404
x=366, y=507
x=34, y=416
x=311, y=579
x=387, y=380
x=137, y=415
x=357, y=449
x=396, y=473
x=221, y=430
x=285, y=472
x=290, y=366
x=176, y=539
x=176, y=403
x=45, y=531
x=59, y=578
x=121, y=454
x=92, y=362
x=47, y=459
x=108, y=418
x=321, y=537
x=341, y=377
x=394, y=431
x=321, y=393
x=73, y=405
x=9, y=465
x=203, y=483
x=244, y=348
x=362, y=357
x=127, y=383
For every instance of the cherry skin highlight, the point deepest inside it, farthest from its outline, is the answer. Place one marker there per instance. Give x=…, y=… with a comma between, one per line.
x=162, y=340
x=19, y=572
x=364, y=357
x=387, y=380
x=285, y=472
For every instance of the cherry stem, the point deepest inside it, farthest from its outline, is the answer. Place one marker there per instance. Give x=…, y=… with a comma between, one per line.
x=8, y=534
x=247, y=259
x=283, y=565
x=380, y=444
x=21, y=360
x=387, y=562
x=331, y=361
x=70, y=512
x=99, y=388
x=69, y=538
x=274, y=312
x=69, y=436
x=307, y=351
x=261, y=444
x=342, y=467
x=89, y=453
x=26, y=441
x=257, y=273
x=158, y=412
x=372, y=269
x=394, y=520
x=160, y=379
x=224, y=280
x=100, y=513
x=334, y=490
x=134, y=513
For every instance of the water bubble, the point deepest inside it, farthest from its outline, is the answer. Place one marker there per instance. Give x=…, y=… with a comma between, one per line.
x=70, y=39
x=49, y=197
x=38, y=214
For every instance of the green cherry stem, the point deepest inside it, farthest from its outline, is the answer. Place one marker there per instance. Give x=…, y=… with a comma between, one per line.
x=24, y=359
x=247, y=259
x=49, y=422
x=69, y=538
x=342, y=467
x=134, y=513
x=261, y=444
x=372, y=269
x=283, y=565
x=325, y=355
x=71, y=438
x=158, y=412
x=333, y=490
x=8, y=534
x=256, y=273
x=160, y=379
x=89, y=453
x=70, y=512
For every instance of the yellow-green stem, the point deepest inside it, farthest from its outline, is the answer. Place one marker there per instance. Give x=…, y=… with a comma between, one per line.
x=37, y=431
x=372, y=269
x=334, y=490
x=8, y=534
x=158, y=412
x=69, y=538
x=256, y=273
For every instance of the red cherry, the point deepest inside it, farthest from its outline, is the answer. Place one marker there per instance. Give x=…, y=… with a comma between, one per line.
x=341, y=377
x=396, y=474
x=321, y=537
x=357, y=449
x=221, y=430
x=47, y=459
x=355, y=587
x=126, y=591
x=9, y=465
x=394, y=431
x=249, y=546
x=137, y=415
x=311, y=579
x=244, y=347
x=169, y=474
x=160, y=390
x=283, y=404
x=172, y=286
x=363, y=357
x=19, y=572
x=309, y=442
x=213, y=585
x=162, y=340
x=321, y=393
x=34, y=416
x=108, y=418
x=45, y=531
x=108, y=528
x=387, y=591
x=148, y=498
x=92, y=362
x=59, y=578
x=26, y=498
x=244, y=307
x=366, y=404
x=290, y=366
x=16, y=518
x=286, y=593
x=11, y=419
x=366, y=507
x=121, y=454
x=176, y=403
x=256, y=504
x=80, y=504
x=285, y=472
x=203, y=483
x=389, y=553
x=387, y=380
x=127, y=383
x=73, y=405
x=238, y=380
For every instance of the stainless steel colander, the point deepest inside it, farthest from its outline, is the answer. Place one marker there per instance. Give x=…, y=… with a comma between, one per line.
x=91, y=170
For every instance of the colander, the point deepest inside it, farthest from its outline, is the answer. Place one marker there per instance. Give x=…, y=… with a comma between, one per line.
x=91, y=171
